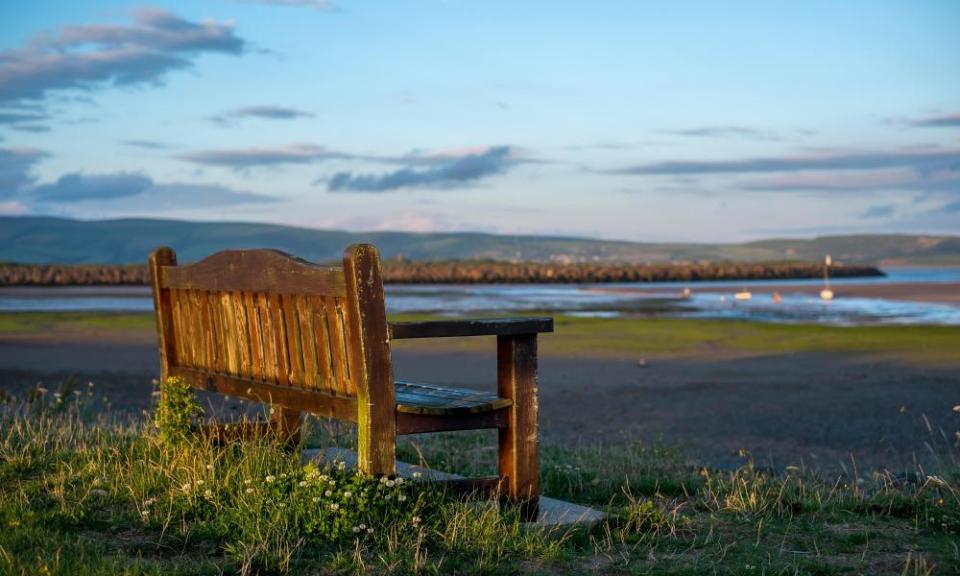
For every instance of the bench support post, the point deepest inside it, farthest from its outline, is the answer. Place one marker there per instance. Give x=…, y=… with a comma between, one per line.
x=519, y=440
x=286, y=423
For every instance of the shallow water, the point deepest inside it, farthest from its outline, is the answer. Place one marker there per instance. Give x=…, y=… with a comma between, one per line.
x=604, y=300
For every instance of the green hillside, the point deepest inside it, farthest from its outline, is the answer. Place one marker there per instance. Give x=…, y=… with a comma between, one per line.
x=56, y=240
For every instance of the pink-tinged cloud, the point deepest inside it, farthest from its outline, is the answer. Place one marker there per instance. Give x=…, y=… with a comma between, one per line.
x=13, y=208
x=85, y=57
x=240, y=158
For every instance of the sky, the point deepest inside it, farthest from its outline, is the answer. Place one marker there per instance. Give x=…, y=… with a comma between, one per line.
x=645, y=121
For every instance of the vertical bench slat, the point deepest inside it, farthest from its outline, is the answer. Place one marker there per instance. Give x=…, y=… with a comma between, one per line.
x=349, y=386
x=230, y=334
x=307, y=341
x=337, y=351
x=321, y=331
x=256, y=348
x=263, y=333
x=242, y=328
x=178, y=327
x=291, y=320
x=216, y=331
x=280, y=340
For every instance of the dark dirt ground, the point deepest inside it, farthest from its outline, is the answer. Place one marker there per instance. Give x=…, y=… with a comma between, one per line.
x=823, y=410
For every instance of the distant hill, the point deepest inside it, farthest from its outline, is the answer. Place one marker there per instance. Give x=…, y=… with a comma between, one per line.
x=46, y=240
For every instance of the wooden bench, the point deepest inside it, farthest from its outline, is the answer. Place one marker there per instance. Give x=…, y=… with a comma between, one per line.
x=267, y=326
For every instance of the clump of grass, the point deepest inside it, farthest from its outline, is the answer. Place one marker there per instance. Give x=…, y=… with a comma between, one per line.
x=177, y=411
x=87, y=491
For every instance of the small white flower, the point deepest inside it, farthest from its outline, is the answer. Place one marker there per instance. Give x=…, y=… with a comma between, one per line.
x=356, y=529
x=248, y=481
x=328, y=493
x=209, y=466
x=334, y=506
x=282, y=505
x=249, y=490
x=369, y=530
x=208, y=494
x=347, y=494
x=199, y=482
x=341, y=465
x=149, y=501
x=284, y=475
x=387, y=497
x=402, y=498
x=270, y=478
x=415, y=520
x=145, y=514
x=390, y=483
x=398, y=481
x=384, y=479
x=185, y=488
x=417, y=475
x=315, y=499
x=303, y=484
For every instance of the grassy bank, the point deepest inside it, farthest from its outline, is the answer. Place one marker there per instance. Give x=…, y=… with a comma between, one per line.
x=84, y=492
x=613, y=337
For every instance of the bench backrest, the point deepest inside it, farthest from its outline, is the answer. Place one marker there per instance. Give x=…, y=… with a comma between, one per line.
x=249, y=316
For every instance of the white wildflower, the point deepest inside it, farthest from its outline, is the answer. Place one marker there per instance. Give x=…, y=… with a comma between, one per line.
x=248, y=481
x=356, y=529
x=303, y=484
x=341, y=465
x=209, y=466
x=249, y=490
x=315, y=499
x=334, y=506
x=347, y=494
x=369, y=530
x=186, y=488
x=402, y=498
x=390, y=483
x=328, y=493
x=199, y=482
x=417, y=475
x=398, y=481
x=208, y=494
x=270, y=478
x=415, y=520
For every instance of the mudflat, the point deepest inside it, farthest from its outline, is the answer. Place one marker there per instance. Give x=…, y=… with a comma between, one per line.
x=771, y=393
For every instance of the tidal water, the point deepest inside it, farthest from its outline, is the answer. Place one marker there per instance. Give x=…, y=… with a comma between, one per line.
x=586, y=300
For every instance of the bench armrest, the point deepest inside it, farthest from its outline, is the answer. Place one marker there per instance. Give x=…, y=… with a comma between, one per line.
x=480, y=327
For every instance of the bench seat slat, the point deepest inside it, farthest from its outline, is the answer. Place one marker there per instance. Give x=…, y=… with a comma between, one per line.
x=413, y=398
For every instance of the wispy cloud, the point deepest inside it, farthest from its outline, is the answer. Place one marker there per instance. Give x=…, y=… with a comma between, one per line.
x=445, y=171
x=85, y=57
x=945, y=121
x=918, y=160
x=262, y=112
x=146, y=144
x=320, y=5
x=126, y=190
x=15, y=166
x=745, y=132
x=879, y=211
x=242, y=158
x=78, y=187
x=945, y=180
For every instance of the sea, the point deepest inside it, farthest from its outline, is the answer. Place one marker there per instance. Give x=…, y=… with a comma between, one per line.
x=714, y=299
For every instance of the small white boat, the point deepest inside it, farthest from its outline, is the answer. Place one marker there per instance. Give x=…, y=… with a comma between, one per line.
x=742, y=295
x=826, y=293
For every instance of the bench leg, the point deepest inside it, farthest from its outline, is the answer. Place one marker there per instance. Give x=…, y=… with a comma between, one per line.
x=286, y=423
x=519, y=459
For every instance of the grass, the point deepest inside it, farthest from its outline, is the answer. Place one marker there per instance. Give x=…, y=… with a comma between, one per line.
x=85, y=491
x=614, y=337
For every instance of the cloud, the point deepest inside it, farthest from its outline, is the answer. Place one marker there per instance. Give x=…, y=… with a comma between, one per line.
x=918, y=160
x=320, y=5
x=13, y=118
x=241, y=158
x=445, y=171
x=145, y=144
x=945, y=180
x=726, y=132
x=134, y=190
x=879, y=211
x=86, y=57
x=15, y=166
x=263, y=112
x=78, y=187
x=945, y=121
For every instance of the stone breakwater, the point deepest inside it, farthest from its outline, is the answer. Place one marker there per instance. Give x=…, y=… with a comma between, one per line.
x=470, y=273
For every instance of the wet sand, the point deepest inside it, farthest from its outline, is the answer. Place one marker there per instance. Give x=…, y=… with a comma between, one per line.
x=934, y=292
x=821, y=409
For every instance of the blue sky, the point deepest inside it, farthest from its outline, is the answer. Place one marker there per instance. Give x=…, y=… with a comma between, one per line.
x=681, y=121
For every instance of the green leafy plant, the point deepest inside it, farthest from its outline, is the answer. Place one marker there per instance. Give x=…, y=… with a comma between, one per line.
x=177, y=411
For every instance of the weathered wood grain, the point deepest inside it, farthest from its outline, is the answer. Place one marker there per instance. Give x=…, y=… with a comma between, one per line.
x=519, y=440
x=370, y=355
x=269, y=271
x=162, y=309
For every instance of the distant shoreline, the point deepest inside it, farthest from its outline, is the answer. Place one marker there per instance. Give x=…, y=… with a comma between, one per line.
x=471, y=272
